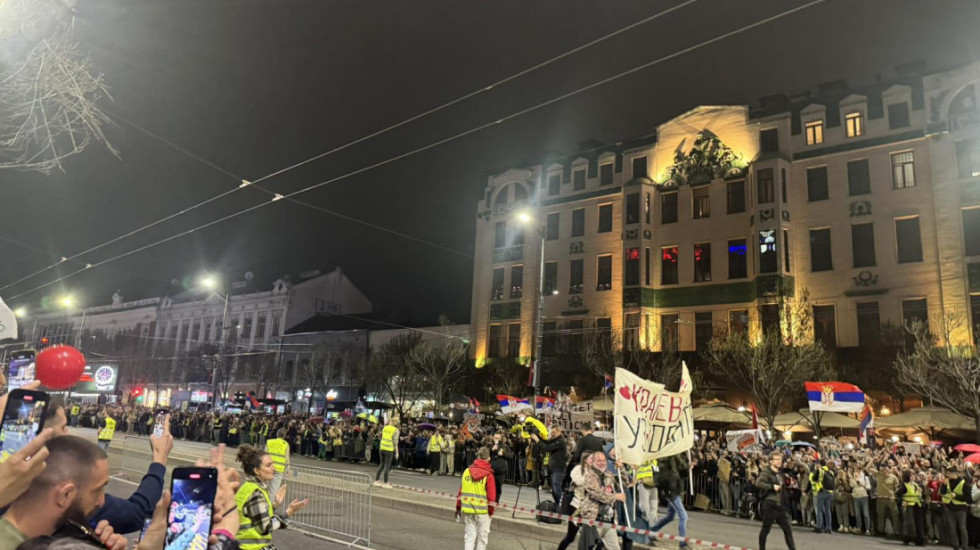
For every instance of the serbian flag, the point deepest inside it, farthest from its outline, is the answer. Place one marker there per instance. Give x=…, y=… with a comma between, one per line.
x=474, y=405
x=254, y=402
x=544, y=403
x=608, y=382
x=510, y=404
x=834, y=397
x=867, y=421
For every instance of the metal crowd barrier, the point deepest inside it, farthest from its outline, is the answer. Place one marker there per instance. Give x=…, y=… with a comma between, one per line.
x=340, y=502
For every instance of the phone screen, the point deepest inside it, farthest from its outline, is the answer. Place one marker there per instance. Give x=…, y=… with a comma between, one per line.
x=22, y=419
x=21, y=369
x=189, y=521
x=146, y=525
x=158, y=425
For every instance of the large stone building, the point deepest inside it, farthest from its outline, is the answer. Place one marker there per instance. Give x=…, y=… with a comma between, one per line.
x=868, y=198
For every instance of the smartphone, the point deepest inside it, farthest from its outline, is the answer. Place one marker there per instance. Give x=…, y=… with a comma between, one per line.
x=21, y=368
x=146, y=525
x=23, y=419
x=191, y=508
x=161, y=416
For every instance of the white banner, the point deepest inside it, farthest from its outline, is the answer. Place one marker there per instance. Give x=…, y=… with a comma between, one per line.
x=8, y=322
x=748, y=441
x=572, y=417
x=651, y=422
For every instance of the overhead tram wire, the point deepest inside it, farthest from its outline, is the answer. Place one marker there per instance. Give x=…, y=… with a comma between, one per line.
x=246, y=183
x=436, y=143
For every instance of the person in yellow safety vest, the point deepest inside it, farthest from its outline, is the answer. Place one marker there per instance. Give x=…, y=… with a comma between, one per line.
x=263, y=433
x=388, y=447
x=956, y=496
x=322, y=444
x=278, y=449
x=822, y=486
x=107, y=427
x=259, y=514
x=649, y=496
x=75, y=411
x=914, y=513
x=474, y=501
x=216, y=430
x=435, y=452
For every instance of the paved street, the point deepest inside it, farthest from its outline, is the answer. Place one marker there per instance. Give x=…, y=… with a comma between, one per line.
x=401, y=529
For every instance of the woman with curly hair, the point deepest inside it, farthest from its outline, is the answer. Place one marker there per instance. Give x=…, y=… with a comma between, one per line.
x=255, y=507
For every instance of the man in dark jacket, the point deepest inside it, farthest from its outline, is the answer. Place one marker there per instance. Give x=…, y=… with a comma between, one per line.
x=770, y=486
x=557, y=449
x=587, y=442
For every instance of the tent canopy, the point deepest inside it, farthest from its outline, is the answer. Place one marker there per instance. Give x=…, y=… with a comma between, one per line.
x=804, y=418
x=926, y=418
x=720, y=413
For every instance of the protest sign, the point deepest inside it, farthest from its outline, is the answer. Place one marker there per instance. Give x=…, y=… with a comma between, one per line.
x=650, y=421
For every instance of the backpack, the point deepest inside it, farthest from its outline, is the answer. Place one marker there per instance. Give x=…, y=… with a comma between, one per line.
x=547, y=506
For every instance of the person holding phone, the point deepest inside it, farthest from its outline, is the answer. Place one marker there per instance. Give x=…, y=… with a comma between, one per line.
x=256, y=509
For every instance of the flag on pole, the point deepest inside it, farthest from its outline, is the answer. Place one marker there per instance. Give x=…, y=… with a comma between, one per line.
x=359, y=407
x=867, y=421
x=474, y=405
x=834, y=397
x=544, y=403
x=8, y=322
x=510, y=404
x=607, y=382
x=755, y=418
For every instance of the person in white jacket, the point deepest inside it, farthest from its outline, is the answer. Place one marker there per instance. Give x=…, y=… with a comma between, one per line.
x=577, y=478
x=860, y=493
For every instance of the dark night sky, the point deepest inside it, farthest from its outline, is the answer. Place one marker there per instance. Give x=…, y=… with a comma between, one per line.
x=254, y=86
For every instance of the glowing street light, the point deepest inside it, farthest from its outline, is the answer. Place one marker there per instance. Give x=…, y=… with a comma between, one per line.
x=67, y=301
x=210, y=282
x=20, y=312
x=525, y=217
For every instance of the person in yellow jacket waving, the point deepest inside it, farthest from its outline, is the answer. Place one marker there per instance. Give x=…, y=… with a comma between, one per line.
x=259, y=515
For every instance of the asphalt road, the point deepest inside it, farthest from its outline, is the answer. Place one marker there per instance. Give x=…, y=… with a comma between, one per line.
x=404, y=530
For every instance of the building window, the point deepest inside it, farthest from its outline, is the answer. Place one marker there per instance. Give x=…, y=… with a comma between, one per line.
x=736, y=196
x=578, y=180
x=702, y=262
x=603, y=329
x=247, y=330
x=259, y=329
x=737, y=264
x=703, y=330
x=869, y=324
x=915, y=310
x=196, y=333
x=782, y=181
x=606, y=174
x=518, y=237
x=764, y=184
x=647, y=267
x=863, y=244
x=769, y=140
x=786, y=250
x=551, y=228
x=768, y=258
x=702, y=202
x=854, y=124
x=554, y=184
x=549, y=337
x=909, y=240
x=769, y=318
x=516, y=281
x=500, y=235
x=971, y=232
x=668, y=208
x=646, y=208
x=640, y=167
x=903, y=170
x=814, y=132
x=578, y=222
x=604, y=272
x=975, y=315
x=820, y=254
x=738, y=321
x=898, y=115
x=825, y=326
x=495, y=341
x=858, y=177
x=968, y=158
x=633, y=208
x=576, y=274
x=631, y=331
x=497, y=284
x=550, y=278
x=632, y=268
x=514, y=340
x=668, y=265
x=816, y=184
x=605, y=218
x=668, y=332
x=573, y=335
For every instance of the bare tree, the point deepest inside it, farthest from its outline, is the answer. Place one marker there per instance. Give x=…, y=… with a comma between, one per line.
x=507, y=376
x=936, y=369
x=441, y=363
x=390, y=372
x=774, y=369
x=321, y=370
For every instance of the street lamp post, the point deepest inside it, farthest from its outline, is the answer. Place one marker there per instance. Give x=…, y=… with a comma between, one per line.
x=210, y=282
x=528, y=219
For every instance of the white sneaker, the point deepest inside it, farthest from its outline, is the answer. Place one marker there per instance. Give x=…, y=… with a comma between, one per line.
x=388, y=486
x=378, y=483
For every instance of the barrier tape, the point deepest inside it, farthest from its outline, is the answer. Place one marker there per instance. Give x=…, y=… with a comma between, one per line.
x=581, y=521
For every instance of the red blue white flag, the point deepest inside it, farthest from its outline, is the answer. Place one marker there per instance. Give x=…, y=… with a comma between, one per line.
x=510, y=404
x=834, y=397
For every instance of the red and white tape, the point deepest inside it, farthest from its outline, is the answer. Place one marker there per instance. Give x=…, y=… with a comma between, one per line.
x=592, y=522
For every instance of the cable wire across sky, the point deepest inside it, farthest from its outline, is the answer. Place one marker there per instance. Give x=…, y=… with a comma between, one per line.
x=277, y=197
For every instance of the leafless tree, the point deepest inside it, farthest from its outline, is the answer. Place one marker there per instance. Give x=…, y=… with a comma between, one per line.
x=389, y=371
x=933, y=367
x=507, y=376
x=441, y=363
x=773, y=369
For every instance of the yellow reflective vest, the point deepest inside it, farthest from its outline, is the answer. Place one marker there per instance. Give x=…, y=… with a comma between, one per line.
x=473, y=495
x=954, y=495
x=75, y=409
x=913, y=495
x=388, y=438
x=249, y=537
x=105, y=434
x=435, y=444
x=816, y=479
x=644, y=473
x=278, y=449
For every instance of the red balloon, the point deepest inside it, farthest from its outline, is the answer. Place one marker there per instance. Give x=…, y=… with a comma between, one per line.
x=59, y=367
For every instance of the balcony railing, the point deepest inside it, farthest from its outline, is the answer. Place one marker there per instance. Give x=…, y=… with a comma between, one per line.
x=508, y=254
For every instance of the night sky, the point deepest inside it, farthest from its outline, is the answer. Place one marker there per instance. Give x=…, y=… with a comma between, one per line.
x=255, y=86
